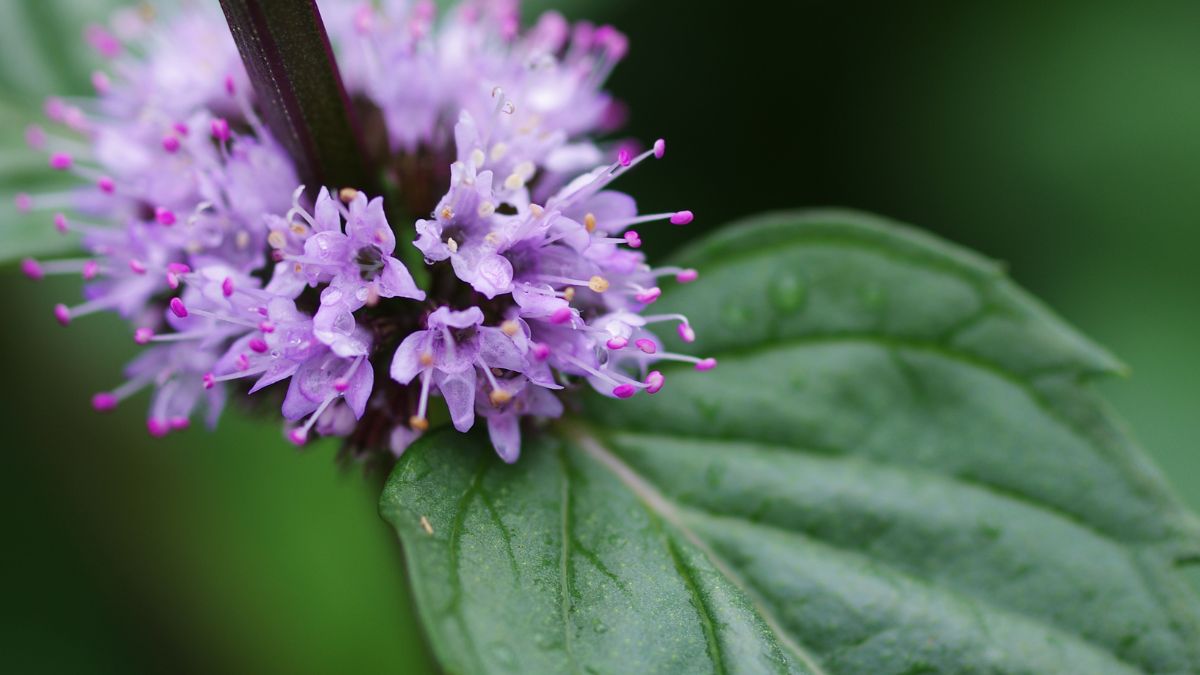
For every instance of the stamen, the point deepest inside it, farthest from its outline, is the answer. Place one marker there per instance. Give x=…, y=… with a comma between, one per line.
x=178, y=308
x=65, y=314
x=686, y=333
x=218, y=317
x=104, y=402
x=220, y=129
x=654, y=382
x=682, y=218
x=299, y=435
x=561, y=315
x=701, y=364
x=32, y=269
x=647, y=296
x=108, y=400
x=676, y=218
x=418, y=421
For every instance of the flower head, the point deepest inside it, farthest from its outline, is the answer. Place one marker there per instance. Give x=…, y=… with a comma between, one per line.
x=237, y=280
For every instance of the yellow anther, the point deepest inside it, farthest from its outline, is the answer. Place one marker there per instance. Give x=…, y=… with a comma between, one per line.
x=486, y=209
x=446, y=213
x=526, y=169
x=514, y=181
x=276, y=239
x=478, y=158
x=532, y=123
x=452, y=245
x=598, y=284
x=499, y=150
x=418, y=423
x=569, y=294
x=499, y=397
x=510, y=328
x=589, y=221
x=536, y=210
x=242, y=239
x=298, y=229
x=426, y=359
x=347, y=194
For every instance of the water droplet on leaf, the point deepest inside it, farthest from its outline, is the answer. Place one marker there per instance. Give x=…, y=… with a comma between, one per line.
x=787, y=292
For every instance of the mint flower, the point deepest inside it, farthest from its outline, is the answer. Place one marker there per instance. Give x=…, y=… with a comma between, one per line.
x=240, y=281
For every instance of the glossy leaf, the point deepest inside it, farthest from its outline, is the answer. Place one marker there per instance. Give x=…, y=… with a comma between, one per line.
x=897, y=467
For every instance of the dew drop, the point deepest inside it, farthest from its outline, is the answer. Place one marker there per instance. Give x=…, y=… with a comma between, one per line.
x=708, y=408
x=713, y=476
x=787, y=292
x=872, y=296
x=735, y=315
x=544, y=641
x=504, y=655
x=798, y=381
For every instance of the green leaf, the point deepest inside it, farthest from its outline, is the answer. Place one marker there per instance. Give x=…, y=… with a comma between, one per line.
x=898, y=467
x=44, y=54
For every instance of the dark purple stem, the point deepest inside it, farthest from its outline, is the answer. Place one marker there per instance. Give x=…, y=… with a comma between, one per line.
x=299, y=90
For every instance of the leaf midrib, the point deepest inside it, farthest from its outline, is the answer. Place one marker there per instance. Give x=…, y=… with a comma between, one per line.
x=663, y=508
x=675, y=515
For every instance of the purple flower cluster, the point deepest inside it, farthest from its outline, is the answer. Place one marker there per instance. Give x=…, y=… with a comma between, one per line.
x=237, y=280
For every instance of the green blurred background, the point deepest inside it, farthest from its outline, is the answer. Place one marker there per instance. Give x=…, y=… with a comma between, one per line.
x=1062, y=138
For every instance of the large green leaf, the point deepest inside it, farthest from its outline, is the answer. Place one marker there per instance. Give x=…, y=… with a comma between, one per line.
x=898, y=467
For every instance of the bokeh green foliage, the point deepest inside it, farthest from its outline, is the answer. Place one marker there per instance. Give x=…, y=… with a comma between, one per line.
x=1062, y=138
